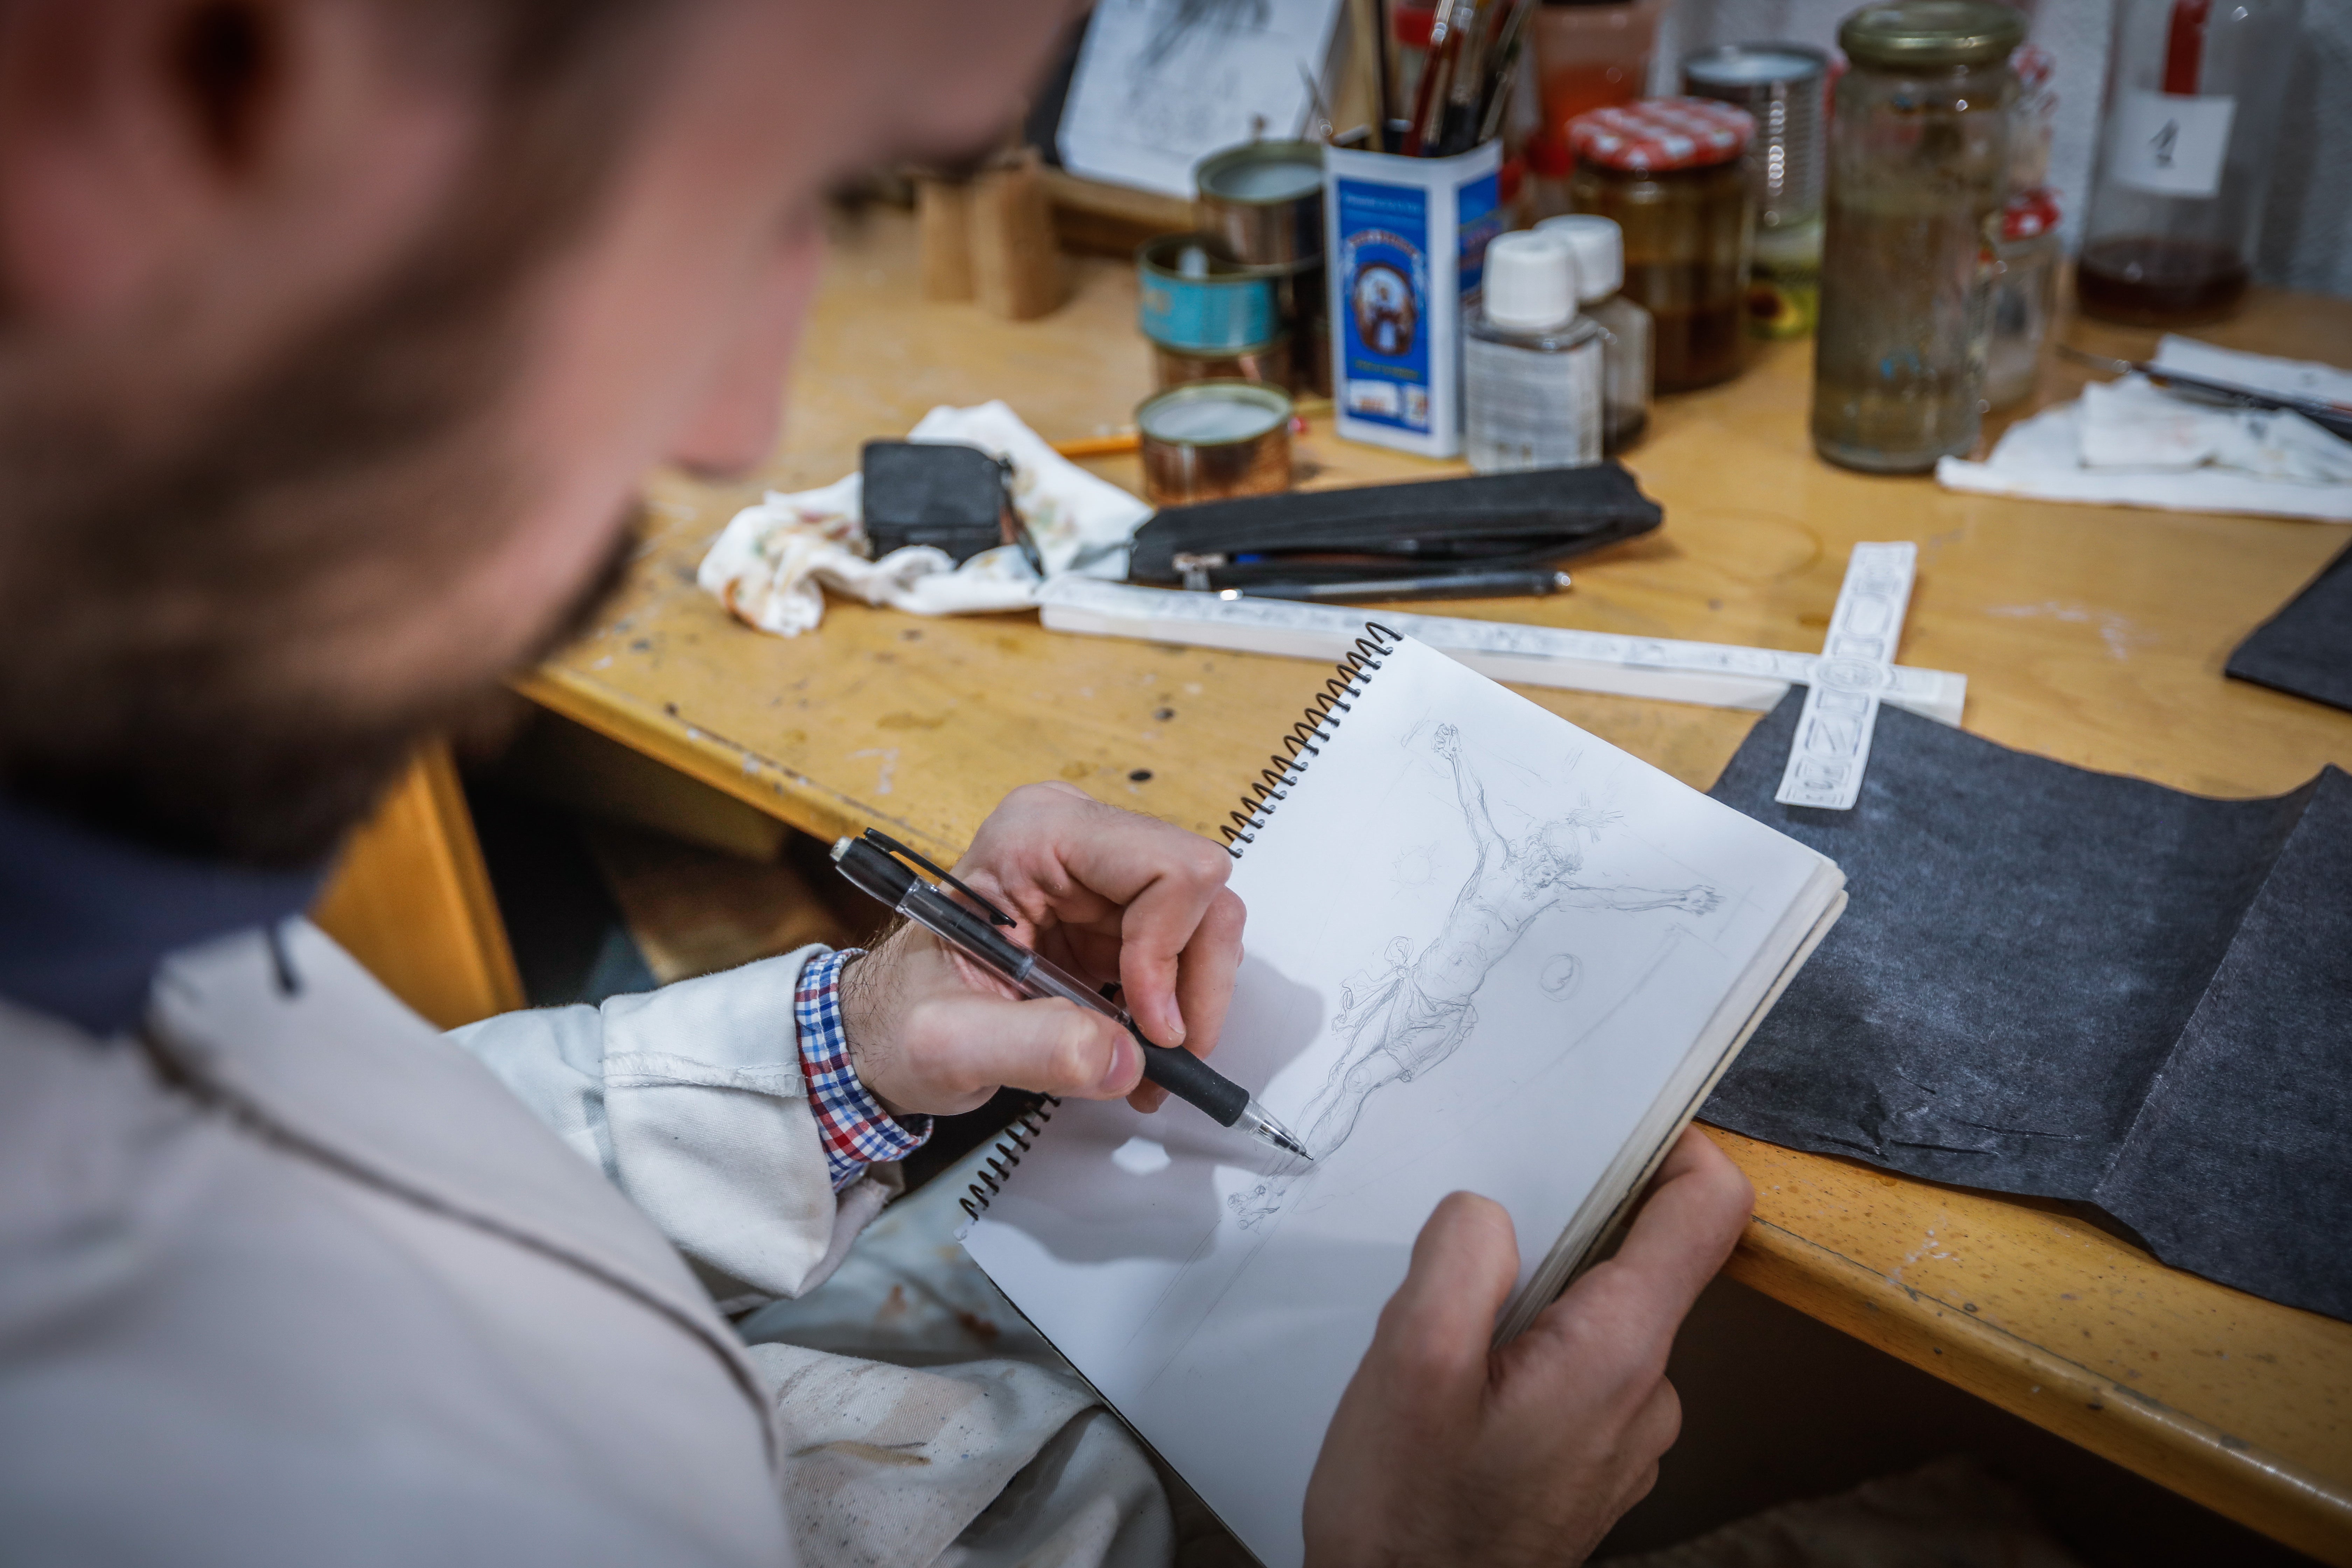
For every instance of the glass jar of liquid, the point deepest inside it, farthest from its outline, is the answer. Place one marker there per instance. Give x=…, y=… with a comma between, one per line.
x=2196, y=92
x=2024, y=297
x=1666, y=171
x=1918, y=169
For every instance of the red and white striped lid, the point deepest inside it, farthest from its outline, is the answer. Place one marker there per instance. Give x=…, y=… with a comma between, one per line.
x=2029, y=215
x=1658, y=134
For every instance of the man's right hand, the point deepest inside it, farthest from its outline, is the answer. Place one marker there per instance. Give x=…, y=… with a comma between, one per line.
x=1445, y=1451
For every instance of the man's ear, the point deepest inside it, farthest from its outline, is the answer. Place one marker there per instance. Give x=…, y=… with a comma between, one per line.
x=145, y=145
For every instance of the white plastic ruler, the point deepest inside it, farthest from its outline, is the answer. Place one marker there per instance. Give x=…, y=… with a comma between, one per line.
x=1856, y=672
x=1722, y=675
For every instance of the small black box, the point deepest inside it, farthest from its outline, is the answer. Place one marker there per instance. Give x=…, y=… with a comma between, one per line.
x=923, y=492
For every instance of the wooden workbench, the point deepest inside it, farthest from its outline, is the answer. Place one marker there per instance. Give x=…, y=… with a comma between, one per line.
x=2092, y=635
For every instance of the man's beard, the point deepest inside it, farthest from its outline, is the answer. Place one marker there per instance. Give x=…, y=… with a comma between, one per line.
x=196, y=581
x=190, y=615
x=226, y=774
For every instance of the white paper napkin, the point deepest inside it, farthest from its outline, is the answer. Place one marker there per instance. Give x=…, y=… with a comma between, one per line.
x=773, y=561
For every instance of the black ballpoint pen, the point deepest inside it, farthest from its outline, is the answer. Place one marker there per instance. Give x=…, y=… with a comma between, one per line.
x=871, y=866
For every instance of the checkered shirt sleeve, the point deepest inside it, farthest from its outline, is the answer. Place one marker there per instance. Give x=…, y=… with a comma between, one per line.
x=855, y=1128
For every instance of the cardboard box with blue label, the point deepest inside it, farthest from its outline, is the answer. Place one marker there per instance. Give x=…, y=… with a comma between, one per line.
x=1407, y=241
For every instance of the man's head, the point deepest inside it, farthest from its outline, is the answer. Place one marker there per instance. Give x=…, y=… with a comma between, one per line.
x=335, y=336
x=1556, y=847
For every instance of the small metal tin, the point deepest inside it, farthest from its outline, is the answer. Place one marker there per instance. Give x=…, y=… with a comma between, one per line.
x=1265, y=199
x=1212, y=440
x=1784, y=86
x=1193, y=294
x=1272, y=362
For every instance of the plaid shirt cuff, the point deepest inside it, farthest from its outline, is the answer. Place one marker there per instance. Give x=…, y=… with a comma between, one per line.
x=856, y=1129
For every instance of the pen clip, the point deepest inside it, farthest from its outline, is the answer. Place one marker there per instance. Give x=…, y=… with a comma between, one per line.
x=891, y=847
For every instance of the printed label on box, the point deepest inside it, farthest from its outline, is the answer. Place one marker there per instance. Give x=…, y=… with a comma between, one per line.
x=1384, y=327
x=2168, y=143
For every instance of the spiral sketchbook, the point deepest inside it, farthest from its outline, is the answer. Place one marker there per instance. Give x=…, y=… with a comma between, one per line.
x=1485, y=950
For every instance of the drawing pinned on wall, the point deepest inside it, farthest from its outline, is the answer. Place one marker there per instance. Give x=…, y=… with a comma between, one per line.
x=1409, y=1012
x=1190, y=18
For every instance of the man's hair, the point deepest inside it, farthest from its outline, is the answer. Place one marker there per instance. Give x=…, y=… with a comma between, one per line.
x=152, y=581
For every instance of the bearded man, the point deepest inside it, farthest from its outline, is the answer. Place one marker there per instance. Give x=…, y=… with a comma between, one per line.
x=335, y=336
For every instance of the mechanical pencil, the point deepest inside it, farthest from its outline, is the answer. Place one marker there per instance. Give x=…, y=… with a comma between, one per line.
x=873, y=865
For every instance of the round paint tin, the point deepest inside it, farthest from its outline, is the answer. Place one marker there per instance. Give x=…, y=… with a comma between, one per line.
x=1266, y=200
x=1193, y=294
x=1209, y=439
x=1269, y=362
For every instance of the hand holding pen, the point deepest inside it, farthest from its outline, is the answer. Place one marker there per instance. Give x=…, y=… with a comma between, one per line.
x=1098, y=892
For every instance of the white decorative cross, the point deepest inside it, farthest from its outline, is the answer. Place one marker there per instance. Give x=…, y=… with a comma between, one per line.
x=1856, y=670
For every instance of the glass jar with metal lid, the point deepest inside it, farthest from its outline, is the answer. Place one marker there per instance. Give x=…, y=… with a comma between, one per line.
x=1667, y=171
x=1918, y=167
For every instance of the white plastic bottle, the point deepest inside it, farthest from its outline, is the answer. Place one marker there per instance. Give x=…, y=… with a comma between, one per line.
x=1531, y=367
x=1600, y=249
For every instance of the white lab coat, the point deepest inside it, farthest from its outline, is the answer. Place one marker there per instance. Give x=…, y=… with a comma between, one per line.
x=292, y=1279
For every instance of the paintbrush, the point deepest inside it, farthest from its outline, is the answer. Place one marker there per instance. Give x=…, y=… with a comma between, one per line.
x=1420, y=138
x=1372, y=19
x=1505, y=75
x=1464, y=94
x=1321, y=123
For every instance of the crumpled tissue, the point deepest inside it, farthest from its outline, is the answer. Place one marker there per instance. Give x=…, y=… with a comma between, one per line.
x=773, y=561
x=2130, y=443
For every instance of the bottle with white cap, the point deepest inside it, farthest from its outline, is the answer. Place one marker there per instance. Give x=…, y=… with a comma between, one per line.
x=1531, y=367
x=1600, y=249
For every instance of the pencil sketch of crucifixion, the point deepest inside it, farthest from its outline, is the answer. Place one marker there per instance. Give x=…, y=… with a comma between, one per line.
x=1409, y=1014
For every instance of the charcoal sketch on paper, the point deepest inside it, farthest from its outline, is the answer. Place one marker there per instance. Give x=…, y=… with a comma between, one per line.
x=1408, y=1013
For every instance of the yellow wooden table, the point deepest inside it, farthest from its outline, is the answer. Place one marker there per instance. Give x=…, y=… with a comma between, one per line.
x=2092, y=635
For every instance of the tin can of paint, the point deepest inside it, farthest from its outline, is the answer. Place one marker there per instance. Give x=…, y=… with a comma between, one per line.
x=1195, y=296
x=1270, y=362
x=1210, y=439
x=1784, y=87
x=1266, y=200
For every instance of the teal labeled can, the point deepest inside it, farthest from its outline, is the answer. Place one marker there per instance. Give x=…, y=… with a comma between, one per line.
x=1196, y=297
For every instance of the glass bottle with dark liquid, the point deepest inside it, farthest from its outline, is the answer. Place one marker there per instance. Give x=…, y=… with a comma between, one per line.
x=2185, y=151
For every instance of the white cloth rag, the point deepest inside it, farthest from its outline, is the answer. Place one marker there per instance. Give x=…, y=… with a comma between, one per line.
x=773, y=561
x=2129, y=443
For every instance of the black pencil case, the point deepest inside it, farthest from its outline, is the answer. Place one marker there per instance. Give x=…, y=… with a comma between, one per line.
x=1487, y=522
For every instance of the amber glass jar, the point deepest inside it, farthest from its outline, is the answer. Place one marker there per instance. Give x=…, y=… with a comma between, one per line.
x=1668, y=173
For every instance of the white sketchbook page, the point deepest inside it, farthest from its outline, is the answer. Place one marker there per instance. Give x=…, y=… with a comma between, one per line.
x=1223, y=1309
x=1161, y=84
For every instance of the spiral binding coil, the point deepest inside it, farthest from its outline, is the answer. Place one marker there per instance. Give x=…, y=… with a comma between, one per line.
x=1306, y=739
x=998, y=1166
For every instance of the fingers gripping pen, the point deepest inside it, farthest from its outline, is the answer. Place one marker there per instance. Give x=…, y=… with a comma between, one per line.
x=871, y=866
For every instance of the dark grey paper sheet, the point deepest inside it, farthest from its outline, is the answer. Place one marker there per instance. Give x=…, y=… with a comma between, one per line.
x=2070, y=985
x=2306, y=648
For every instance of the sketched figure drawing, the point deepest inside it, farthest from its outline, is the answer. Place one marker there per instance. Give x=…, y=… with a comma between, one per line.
x=1408, y=1017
